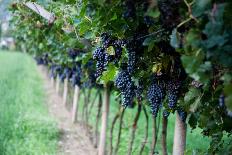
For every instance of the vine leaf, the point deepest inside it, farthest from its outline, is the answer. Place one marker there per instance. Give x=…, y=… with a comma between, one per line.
x=175, y=39
x=109, y=74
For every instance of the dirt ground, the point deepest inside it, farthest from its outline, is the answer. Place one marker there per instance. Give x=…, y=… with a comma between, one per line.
x=73, y=138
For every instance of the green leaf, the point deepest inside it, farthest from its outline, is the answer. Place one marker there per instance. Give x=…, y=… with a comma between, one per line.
x=175, y=39
x=114, y=17
x=200, y=7
x=193, y=121
x=226, y=78
x=191, y=94
x=153, y=13
x=148, y=41
x=89, y=35
x=109, y=74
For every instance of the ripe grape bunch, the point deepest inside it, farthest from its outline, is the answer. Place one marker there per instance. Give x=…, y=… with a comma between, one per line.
x=89, y=68
x=67, y=73
x=182, y=114
x=101, y=55
x=76, y=75
x=130, y=10
x=166, y=113
x=155, y=96
x=102, y=60
x=139, y=90
x=118, y=44
x=173, y=88
x=131, y=61
x=72, y=53
x=169, y=14
x=126, y=86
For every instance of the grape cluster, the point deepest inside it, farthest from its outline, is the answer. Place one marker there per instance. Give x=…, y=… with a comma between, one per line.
x=126, y=86
x=101, y=55
x=67, y=73
x=102, y=60
x=62, y=77
x=130, y=10
x=106, y=40
x=76, y=75
x=131, y=61
x=173, y=88
x=55, y=70
x=118, y=44
x=166, y=113
x=139, y=91
x=182, y=114
x=89, y=70
x=133, y=49
x=222, y=101
x=148, y=21
x=43, y=60
x=72, y=53
x=155, y=96
x=169, y=13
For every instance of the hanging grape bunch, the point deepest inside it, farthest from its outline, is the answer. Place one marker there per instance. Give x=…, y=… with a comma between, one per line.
x=130, y=10
x=126, y=86
x=169, y=13
x=155, y=95
x=76, y=75
x=102, y=57
x=166, y=113
x=173, y=88
x=131, y=60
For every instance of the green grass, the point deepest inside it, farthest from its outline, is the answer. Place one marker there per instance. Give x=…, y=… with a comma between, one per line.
x=196, y=142
x=25, y=125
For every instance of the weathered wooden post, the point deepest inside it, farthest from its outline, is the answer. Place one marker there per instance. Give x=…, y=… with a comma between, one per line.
x=76, y=97
x=65, y=93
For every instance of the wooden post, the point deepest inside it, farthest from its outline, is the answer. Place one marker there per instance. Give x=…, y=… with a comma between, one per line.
x=179, y=137
x=154, y=136
x=57, y=84
x=99, y=108
x=65, y=93
x=164, y=135
x=41, y=11
x=75, y=103
x=52, y=81
x=104, y=124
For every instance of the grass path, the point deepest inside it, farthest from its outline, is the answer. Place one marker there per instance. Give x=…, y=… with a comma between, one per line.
x=74, y=139
x=25, y=125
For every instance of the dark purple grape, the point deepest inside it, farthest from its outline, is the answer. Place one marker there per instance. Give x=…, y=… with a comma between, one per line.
x=155, y=95
x=166, y=113
x=130, y=10
x=173, y=88
x=148, y=20
x=124, y=83
x=222, y=101
x=131, y=61
x=182, y=114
